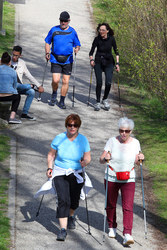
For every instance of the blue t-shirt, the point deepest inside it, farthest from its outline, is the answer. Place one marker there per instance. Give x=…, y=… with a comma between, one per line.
x=63, y=42
x=69, y=153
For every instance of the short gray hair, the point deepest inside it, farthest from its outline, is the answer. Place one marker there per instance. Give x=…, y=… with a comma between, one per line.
x=124, y=122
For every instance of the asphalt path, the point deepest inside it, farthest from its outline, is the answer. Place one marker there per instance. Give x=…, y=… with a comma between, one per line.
x=31, y=141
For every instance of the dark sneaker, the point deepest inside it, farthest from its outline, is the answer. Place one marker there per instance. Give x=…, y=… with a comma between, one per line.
x=71, y=222
x=62, y=235
x=25, y=116
x=61, y=105
x=14, y=121
x=53, y=102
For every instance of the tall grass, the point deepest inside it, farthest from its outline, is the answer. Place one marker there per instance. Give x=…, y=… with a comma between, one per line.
x=7, y=41
x=4, y=180
x=6, y=44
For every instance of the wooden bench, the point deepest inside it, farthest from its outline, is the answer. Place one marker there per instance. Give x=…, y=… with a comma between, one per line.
x=5, y=109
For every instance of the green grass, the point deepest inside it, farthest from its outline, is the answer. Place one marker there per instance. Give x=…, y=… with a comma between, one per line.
x=7, y=41
x=4, y=180
x=6, y=44
x=4, y=147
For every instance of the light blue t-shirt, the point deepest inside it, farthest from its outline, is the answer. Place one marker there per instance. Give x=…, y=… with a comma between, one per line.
x=69, y=153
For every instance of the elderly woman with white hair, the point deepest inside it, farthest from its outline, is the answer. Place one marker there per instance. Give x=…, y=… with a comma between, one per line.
x=122, y=152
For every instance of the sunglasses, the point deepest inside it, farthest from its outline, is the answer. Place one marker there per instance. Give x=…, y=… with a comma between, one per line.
x=126, y=131
x=64, y=21
x=72, y=125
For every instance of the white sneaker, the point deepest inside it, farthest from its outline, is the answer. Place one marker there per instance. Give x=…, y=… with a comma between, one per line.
x=97, y=106
x=106, y=104
x=112, y=232
x=128, y=239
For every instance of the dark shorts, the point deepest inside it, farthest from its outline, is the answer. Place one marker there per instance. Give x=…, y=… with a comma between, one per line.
x=65, y=69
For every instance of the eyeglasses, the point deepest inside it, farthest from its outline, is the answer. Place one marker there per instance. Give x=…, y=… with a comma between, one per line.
x=64, y=21
x=15, y=55
x=126, y=131
x=72, y=125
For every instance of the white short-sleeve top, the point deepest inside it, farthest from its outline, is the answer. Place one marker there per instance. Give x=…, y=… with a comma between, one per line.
x=123, y=157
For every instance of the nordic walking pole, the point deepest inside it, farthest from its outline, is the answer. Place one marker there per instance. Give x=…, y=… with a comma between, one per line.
x=145, y=224
x=73, y=92
x=39, y=97
x=86, y=203
x=83, y=172
x=41, y=201
x=119, y=94
x=39, y=206
x=91, y=75
x=105, y=213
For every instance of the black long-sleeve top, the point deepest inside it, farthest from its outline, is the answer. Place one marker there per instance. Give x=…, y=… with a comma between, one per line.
x=104, y=48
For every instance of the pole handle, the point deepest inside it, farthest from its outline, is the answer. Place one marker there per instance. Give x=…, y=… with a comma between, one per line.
x=108, y=159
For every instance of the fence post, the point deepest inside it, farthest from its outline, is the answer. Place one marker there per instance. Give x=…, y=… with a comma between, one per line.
x=2, y=32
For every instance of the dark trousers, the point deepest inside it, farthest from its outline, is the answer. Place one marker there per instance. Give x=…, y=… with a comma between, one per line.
x=68, y=193
x=127, y=195
x=15, y=101
x=108, y=71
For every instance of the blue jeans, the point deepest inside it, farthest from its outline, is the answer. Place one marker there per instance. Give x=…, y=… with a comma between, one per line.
x=25, y=89
x=108, y=71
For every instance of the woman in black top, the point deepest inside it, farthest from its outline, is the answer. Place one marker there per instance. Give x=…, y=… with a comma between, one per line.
x=104, y=62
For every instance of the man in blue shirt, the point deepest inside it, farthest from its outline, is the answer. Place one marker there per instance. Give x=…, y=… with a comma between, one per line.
x=63, y=39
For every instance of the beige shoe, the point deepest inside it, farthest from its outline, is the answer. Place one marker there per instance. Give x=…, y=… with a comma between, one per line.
x=128, y=239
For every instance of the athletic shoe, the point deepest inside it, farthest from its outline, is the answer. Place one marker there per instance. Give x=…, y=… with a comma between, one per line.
x=112, y=232
x=62, y=235
x=71, y=222
x=14, y=121
x=53, y=102
x=128, y=239
x=106, y=104
x=61, y=105
x=97, y=106
x=25, y=116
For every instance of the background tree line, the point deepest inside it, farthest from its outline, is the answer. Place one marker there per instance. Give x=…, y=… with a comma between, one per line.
x=141, y=32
